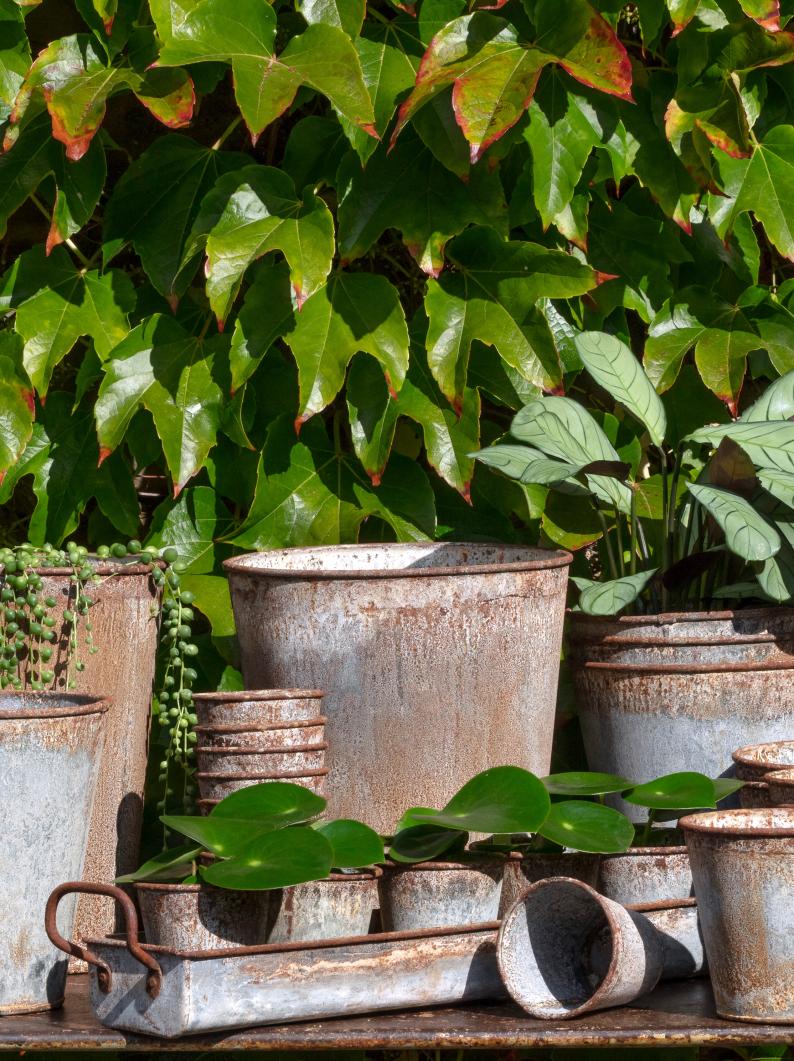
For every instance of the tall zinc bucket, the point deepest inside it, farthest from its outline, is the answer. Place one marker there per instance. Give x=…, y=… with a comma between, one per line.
x=439, y=660
x=50, y=749
x=661, y=693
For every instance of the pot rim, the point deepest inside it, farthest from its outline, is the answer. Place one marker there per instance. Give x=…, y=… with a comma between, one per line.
x=318, y=772
x=106, y=566
x=707, y=823
x=743, y=755
x=670, y=618
x=662, y=849
x=242, y=695
x=252, y=727
x=241, y=565
x=780, y=777
x=370, y=873
x=297, y=749
x=83, y=704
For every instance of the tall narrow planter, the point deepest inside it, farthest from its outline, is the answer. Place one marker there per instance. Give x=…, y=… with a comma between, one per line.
x=50, y=749
x=436, y=658
x=661, y=693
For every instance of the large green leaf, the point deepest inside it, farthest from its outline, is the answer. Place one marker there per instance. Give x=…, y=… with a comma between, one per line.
x=747, y=533
x=687, y=790
x=504, y=799
x=585, y=783
x=585, y=826
x=194, y=524
x=768, y=444
x=354, y=844
x=16, y=403
x=492, y=296
x=174, y=864
x=776, y=403
x=278, y=803
x=274, y=860
x=609, y=598
x=423, y=843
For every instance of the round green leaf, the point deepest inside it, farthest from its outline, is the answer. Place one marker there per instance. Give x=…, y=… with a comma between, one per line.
x=275, y=860
x=354, y=844
x=585, y=783
x=172, y=865
x=423, y=843
x=587, y=826
x=687, y=790
x=273, y=802
x=504, y=799
x=222, y=836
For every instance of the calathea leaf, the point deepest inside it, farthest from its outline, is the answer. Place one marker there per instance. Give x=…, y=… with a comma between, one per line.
x=491, y=297
x=747, y=533
x=776, y=403
x=612, y=364
x=384, y=194
x=16, y=403
x=609, y=598
x=251, y=212
x=353, y=312
x=768, y=444
x=527, y=465
x=170, y=179
x=779, y=484
x=172, y=374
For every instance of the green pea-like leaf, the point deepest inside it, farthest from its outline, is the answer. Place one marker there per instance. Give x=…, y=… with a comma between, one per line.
x=354, y=844
x=687, y=790
x=585, y=783
x=425, y=843
x=747, y=533
x=172, y=865
x=278, y=802
x=223, y=836
x=274, y=860
x=608, y=598
x=586, y=826
x=504, y=799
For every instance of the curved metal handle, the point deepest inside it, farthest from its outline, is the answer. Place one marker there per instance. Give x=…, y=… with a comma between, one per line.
x=154, y=978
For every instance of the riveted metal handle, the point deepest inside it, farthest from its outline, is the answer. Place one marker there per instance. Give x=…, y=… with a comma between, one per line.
x=154, y=978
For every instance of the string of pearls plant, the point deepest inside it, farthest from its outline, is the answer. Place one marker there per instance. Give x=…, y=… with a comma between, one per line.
x=44, y=639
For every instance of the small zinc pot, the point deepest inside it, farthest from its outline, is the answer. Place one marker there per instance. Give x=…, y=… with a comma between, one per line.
x=217, y=786
x=390, y=631
x=743, y=868
x=440, y=894
x=521, y=870
x=50, y=757
x=258, y=708
x=565, y=950
x=678, y=925
x=342, y=905
x=646, y=875
x=663, y=693
x=781, y=788
x=754, y=763
x=196, y=917
x=301, y=758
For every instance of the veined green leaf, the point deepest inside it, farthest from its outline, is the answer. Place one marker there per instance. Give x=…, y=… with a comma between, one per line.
x=609, y=598
x=585, y=826
x=746, y=532
x=776, y=403
x=768, y=444
x=526, y=464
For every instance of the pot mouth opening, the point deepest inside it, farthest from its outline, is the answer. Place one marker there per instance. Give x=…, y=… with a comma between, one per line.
x=750, y=821
x=36, y=705
x=772, y=755
x=243, y=695
x=396, y=560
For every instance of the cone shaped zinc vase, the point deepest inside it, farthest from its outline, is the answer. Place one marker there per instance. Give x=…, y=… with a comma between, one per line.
x=439, y=660
x=50, y=754
x=681, y=691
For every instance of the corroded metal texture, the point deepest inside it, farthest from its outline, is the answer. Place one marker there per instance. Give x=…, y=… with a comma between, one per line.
x=263, y=739
x=565, y=950
x=199, y=917
x=646, y=875
x=241, y=760
x=125, y=634
x=682, y=941
x=662, y=693
x=781, y=787
x=439, y=894
x=342, y=905
x=755, y=761
x=743, y=868
x=754, y=794
x=523, y=870
x=268, y=708
x=50, y=750
x=391, y=632
x=218, y=786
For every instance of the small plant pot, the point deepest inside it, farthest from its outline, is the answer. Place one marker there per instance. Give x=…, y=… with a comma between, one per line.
x=260, y=707
x=780, y=786
x=264, y=738
x=646, y=876
x=755, y=761
x=440, y=894
x=565, y=950
x=197, y=917
x=521, y=870
x=215, y=786
x=678, y=925
x=743, y=868
x=216, y=760
x=342, y=905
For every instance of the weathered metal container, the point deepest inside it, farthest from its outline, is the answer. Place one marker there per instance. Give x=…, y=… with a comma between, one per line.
x=781, y=788
x=50, y=753
x=521, y=870
x=217, y=786
x=754, y=763
x=343, y=904
x=564, y=950
x=662, y=693
x=125, y=624
x=265, y=708
x=156, y=991
x=743, y=868
x=678, y=925
x=263, y=739
x=242, y=760
x=200, y=917
x=391, y=631
x=646, y=875
x=438, y=894
x=754, y=794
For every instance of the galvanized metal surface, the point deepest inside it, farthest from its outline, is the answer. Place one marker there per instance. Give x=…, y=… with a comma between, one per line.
x=755, y=761
x=263, y=738
x=218, y=786
x=657, y=694
x=677, y=923
x=50, y=752
x=743, y=868
x=258, y=707
x=345, y=904
x=390, y=631
x=564, y=950
x=781, y=787
x=199, y=917
x=438, y=894
x=523, y=870
x=242, y=759
x=646, y=875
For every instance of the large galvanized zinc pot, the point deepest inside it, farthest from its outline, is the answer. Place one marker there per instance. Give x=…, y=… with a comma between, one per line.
x=662, y=693
x=439, y=660
x=743, y=868
x=50, y=749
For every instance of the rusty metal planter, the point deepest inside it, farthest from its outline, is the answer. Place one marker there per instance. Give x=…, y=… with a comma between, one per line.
x=217, y=786
x=743, y=868
x=258, y=708
x=521, y=870
x=274, y=738
x=661, y=693
x=391, y=631
x=754, y=762
x=780, y=785
x=50, y=751
x=678, y=925
x=341, y=905
x=438, y=894
x=200, y=917
x=646, y=875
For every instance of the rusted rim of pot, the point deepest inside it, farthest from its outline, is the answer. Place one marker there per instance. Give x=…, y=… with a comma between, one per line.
x=759, y=756
x=371, y=873
x=671, y=618
x=51, y=705
x=662, y=849
x=320, y=772
x=105, y=566
x=541, y=560
x=211, y=749
x=479, y=863
x=784, y=778
x=663, y=904
x=759, y=822
x=724, y=667
x=258, y=694
x=253, y=727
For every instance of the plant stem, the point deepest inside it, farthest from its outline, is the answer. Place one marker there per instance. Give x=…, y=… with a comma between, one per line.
x=227, y=132
x=621, y=554
x=665, y=509
x=607, y=543
x=633, y=542
x=671, y=510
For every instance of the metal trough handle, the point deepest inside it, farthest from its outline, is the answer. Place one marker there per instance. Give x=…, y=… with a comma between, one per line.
x=154, y=978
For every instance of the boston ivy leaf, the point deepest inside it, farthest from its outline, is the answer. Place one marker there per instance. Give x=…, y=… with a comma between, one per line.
x=156, y=201
x=436, y=125
x=171, y=373
x=346, y=14
x=314, y=149
x=491, y=297
x=194, y=524
x=14, y=55
x=584, y=44
x=410, y=190
x=682, y=12
x=16, y=403
x=251, y=212
x=168, y=94
x=353, y=312
x=266, y=314
x=747, y=533
x=765, y=12
x=116, y=495
x=609, y=598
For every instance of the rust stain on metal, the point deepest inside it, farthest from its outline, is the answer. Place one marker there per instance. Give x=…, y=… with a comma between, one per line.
x=439, y=894
x=647, y=876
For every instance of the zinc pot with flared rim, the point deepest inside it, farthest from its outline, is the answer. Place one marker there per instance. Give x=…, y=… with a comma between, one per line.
x=391, y=631
x=754, y=762
x=192, y=917
x=521, y=870
x=50, y=755
x=646, y=875
x=743, y=869
x=658, y=694
x=342, y=905
x=440, y=894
